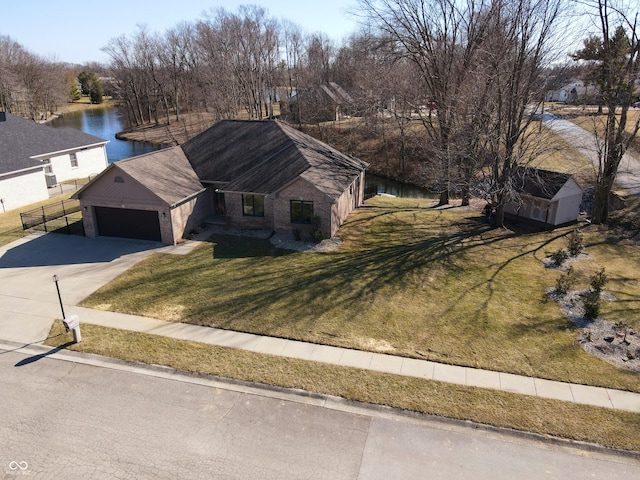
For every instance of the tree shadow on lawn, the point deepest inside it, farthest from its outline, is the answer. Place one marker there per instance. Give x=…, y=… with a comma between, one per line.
x=350, y=278
x=247, y=284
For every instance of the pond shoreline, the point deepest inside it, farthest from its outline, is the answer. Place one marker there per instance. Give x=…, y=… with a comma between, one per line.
x=73, y=107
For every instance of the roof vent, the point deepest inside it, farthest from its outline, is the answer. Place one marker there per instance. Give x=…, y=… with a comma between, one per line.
x=3, y=117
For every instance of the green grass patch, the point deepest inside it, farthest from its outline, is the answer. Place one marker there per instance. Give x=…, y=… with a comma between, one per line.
x=409, y=280
x=559, y=156
x=601, y=426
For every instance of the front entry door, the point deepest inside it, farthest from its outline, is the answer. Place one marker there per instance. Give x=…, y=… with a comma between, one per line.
x=219, y=209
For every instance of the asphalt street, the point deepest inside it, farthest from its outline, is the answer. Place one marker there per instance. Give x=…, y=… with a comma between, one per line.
x=64, y=418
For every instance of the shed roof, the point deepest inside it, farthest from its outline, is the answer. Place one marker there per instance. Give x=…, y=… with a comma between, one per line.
x=21, y=140
x=540, y=183
x=265, y=156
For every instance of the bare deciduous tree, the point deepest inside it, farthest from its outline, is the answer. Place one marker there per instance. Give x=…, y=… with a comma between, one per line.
x=615, y=51
x=481, y=64
x=30, y=85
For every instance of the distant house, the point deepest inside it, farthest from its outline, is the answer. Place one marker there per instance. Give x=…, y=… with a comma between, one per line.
x=326, y=103
x=247, y=174
x=571, y=92
x=34, y=157
x=545, y=197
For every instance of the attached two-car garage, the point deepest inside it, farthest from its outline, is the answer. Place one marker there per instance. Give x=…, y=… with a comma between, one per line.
x=128, y=223
x=151, y=197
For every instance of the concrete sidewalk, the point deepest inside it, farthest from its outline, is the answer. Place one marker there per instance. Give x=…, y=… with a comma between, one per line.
x=29, y=304
x=472, y=377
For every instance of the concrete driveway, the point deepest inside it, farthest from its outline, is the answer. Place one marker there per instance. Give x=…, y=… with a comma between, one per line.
x=28, y=298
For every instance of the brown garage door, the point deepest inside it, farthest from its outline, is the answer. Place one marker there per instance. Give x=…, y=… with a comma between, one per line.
x=128, y=223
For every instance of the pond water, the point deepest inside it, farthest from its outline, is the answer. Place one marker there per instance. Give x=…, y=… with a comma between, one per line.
x=376, y=184
x=105, y=122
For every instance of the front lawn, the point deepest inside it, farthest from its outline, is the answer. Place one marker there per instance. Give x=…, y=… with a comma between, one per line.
x=408, y=280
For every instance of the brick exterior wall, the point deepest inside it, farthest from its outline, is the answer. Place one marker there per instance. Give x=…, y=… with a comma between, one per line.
x=89, y=220
x=174, y=223
x=233, y=205
x=189, y=215
x=277, y=208
x=350, y=199
x=303, y=191
x=180, y=220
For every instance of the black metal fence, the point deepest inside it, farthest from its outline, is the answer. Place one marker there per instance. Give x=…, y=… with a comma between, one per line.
x=63, y=217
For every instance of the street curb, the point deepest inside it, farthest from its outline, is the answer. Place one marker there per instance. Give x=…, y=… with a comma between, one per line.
x=304, y=397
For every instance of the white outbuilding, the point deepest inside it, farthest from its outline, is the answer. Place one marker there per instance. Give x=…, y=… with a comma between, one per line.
x=545, y=197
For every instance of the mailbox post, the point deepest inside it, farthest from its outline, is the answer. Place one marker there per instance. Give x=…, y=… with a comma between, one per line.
x=72, y=322
x=55, y=280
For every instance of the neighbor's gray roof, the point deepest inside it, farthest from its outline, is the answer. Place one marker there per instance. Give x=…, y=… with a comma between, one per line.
x=265, y=156
x=539, y=183
x=166, y=173
x=21, y=139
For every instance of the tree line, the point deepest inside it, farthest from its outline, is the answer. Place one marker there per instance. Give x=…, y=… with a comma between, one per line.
x=34, y=87
x=229, y=64
x=31, y=86
x=486, y=65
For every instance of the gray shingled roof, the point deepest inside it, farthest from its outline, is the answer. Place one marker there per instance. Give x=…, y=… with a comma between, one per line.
x=22, y=139
x=539, y=183
x=265, y=156
x=166, y=173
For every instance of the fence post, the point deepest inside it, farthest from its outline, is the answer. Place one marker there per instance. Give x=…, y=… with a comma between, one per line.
x=66, y=219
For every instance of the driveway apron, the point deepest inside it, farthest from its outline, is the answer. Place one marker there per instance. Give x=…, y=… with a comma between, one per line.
x=28, y=297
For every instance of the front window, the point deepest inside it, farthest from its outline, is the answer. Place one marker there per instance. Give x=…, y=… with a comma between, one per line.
x=253, y=205
x=301, y=211
x=74, y=160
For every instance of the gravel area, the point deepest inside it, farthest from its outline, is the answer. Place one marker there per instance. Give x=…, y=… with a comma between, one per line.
x=279, y=240
x=549, y=263
x=615, y=343
x=282, y=240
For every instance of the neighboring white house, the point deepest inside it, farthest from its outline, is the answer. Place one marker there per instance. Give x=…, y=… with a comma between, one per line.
x=34, y=157
x=571, y=92
x=546, y=197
